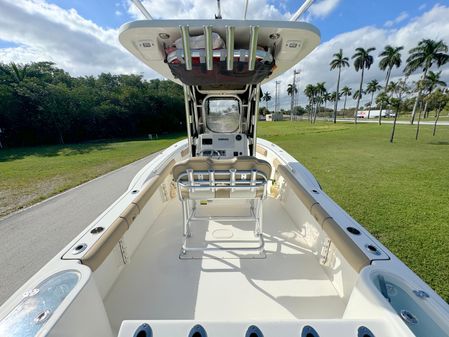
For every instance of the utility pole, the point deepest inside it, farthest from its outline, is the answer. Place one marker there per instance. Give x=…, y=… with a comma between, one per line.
x=276, y=100
x=292, y=105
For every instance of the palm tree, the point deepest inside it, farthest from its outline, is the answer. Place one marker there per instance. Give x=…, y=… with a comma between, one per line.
x=441, y=99
x=327, y=97
x=334, y=96
x=357, y=95
x=346, y=91
x=338, y=62
x=431, y=81
x=396, y=104
x=362, y=60
x=424, y=56
x=310, y=92
x=383, y=99
x=392, y=88
x=399, y=88
x=321, y=90
x=372, y=88
x=16, y=73
x=291, y=91
x=391, y=57
x=428, y=83
x=266, y=97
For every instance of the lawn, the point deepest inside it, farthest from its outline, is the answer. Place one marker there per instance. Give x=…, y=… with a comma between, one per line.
x=399, y=192
x=29, y=175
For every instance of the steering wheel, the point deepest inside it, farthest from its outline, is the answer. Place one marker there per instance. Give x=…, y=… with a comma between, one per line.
x=214, y=153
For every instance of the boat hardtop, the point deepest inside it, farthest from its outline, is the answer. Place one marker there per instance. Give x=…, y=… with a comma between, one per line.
x=223, y=233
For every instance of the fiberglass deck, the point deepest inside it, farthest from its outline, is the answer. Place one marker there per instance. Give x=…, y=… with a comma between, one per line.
x=288, y=284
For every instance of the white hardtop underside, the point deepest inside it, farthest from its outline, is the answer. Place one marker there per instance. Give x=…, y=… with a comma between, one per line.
x=289, y=41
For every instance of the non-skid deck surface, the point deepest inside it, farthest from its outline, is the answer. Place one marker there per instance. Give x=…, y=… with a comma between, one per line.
x=287, y=284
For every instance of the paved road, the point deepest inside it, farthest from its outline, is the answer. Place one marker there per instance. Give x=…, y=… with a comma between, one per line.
x=30, y=238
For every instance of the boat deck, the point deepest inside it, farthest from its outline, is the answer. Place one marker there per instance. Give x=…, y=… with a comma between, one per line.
x=287, y=284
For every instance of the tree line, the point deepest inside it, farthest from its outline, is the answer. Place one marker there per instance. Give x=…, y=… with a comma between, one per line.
x=42, y=104
x=428, y=92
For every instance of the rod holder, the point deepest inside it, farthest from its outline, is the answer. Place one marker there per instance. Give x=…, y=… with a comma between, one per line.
x=230, y=34
x=254, y=33
x=186, y=46
x=209, y=50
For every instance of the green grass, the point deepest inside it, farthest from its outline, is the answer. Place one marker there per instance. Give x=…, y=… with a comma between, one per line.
x=29, y=175
x=399, y=192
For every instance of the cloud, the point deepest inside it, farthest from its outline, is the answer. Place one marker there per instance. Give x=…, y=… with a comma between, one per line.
x=39, y=31
x=47, y=32
x=323, y=8
x=422, y=7
x=206, y=9
x=401, y=17
x=432, y=24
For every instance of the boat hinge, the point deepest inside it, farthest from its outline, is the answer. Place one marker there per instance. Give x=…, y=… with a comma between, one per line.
x=124, y=251
x=164, y=193
x=325, y=251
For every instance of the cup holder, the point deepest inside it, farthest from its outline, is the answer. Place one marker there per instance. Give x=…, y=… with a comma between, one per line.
x=198, y=331
x=364, y=332
x=253, y=331
x=143, y=330
x=308, y=331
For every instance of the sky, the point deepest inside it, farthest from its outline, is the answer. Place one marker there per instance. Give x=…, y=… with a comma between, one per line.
x=81, y=36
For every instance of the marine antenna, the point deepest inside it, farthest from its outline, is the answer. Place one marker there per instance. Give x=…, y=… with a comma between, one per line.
x=142, y=9
x=218, y=16
x=305, y=6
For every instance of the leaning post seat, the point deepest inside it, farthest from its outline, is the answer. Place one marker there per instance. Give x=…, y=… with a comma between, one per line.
x=204, y=178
